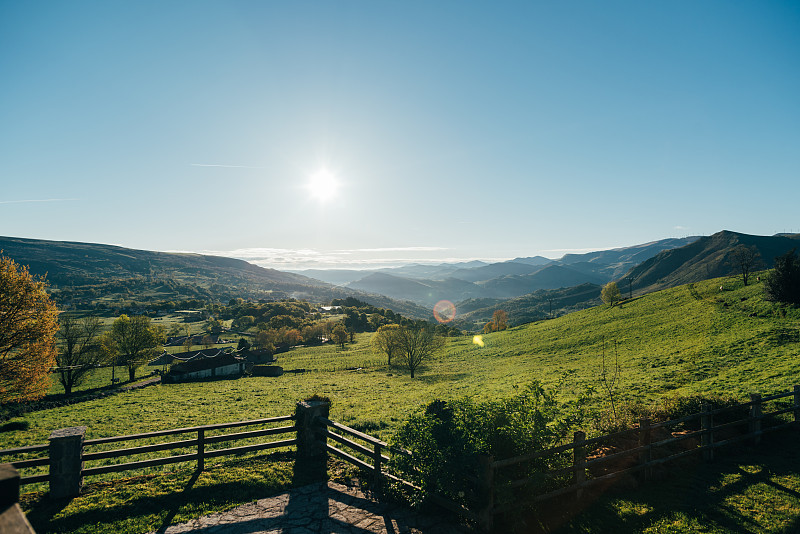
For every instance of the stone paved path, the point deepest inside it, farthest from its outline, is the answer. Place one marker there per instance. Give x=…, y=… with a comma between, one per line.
x=323, y=508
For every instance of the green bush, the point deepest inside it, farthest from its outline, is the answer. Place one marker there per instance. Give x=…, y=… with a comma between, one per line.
x=447, y=439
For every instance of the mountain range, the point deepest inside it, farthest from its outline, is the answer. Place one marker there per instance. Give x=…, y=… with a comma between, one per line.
x=527, y=288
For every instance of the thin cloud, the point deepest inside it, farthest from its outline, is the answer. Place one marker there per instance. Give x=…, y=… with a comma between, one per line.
x=363, y=259
x=224, y=166
x=38, y=200
x=398, y=249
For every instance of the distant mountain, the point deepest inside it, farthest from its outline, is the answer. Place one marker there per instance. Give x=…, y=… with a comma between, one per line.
x=73, y=263
x=82, y=274
x=533, y=260
x=495, y=270
x=427, y=292
x=549, y=277
x=438, y=271
x=707, y=257
x=339, y=277
x=475, y=313
x=426, y=284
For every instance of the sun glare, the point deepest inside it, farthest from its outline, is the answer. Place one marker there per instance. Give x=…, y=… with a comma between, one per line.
x=323, y=185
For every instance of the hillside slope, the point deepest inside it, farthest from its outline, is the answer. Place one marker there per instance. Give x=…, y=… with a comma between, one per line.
x=687, y=339
x=708, y=257
x=85, y=274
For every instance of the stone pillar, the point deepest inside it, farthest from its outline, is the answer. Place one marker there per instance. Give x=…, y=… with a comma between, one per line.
x=9, y=486
x=12, y=520
x=312, y=453
x=66, y=462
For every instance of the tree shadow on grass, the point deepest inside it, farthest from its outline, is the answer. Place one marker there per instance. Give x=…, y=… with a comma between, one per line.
x=703, y=497
x=439, y=378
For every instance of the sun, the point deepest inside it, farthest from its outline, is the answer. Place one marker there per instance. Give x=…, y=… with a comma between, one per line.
x=323, y=185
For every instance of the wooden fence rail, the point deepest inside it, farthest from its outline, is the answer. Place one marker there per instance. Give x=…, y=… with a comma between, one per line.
x=572, y=471
x=199, y=443
x=576, y=471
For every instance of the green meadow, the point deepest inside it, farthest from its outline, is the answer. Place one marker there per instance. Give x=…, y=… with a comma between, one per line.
x=711, y=338
x=687, y=340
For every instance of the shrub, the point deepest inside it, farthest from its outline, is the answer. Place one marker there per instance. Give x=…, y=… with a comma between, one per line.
x=448, y=438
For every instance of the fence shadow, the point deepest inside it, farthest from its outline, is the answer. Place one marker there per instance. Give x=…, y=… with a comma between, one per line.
x=179, y=501
x=153, y=502
x=703, y=495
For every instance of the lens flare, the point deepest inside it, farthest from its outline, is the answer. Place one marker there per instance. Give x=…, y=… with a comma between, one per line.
x=478, y=340
x=444, y=311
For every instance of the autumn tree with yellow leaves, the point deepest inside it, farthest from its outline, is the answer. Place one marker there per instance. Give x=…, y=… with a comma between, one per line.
x=28, y=325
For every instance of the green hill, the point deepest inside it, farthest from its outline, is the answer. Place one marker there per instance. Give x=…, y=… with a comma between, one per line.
x=87, y=274
x=708, y=257
x=473, y=314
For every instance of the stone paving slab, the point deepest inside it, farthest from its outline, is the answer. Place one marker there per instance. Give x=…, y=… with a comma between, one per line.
x=322, y=508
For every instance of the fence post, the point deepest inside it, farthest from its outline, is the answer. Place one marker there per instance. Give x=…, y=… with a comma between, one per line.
x=12, y=520
x=201, y=449
x=486, y=492
x=644, y=441
x=797, y=405
x=377, y=464
x=755, y=417
x=707, y=438
x=312, y=451
x=66, y=462
x=579, y=462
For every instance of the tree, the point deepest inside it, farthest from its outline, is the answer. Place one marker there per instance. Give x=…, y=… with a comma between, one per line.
x=339, y=335
x=386, y=341
x=79, y=350
x=265, y=339
x=783, y=282
x=499, y=322
x=610, y=293
x=745, y=260
x=134, y=340
x=417, y=344
x=28, y=324
x=214, y=326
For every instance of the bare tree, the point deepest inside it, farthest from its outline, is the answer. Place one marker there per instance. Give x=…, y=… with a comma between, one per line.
x=417, y=344
x=745, y=260
x=609, y=378
x=79, y=350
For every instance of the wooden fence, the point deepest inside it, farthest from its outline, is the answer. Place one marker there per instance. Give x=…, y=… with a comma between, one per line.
x=202, y=444
x=495, y=487
x=490, y=488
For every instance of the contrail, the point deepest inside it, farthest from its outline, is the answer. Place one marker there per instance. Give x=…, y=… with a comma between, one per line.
x=225, y=166
x=38, y=200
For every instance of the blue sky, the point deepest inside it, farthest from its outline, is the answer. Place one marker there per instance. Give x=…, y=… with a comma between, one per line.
x=452, y=130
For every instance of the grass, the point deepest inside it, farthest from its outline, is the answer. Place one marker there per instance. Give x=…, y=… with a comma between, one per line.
x=691, y=339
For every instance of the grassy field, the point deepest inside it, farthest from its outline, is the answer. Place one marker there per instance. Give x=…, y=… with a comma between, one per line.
x=687, y=340
x=690, y=339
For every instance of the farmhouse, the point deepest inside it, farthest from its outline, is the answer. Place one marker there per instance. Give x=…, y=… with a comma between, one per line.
x=226, y=364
